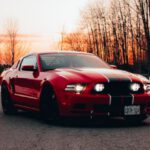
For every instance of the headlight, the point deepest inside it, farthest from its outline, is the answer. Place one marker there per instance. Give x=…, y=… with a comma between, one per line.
x=147, y=87
x=134, y=87
x=78, y=88
x=99, y=87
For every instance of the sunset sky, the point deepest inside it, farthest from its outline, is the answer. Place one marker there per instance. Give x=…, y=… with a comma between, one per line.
x=43, y=17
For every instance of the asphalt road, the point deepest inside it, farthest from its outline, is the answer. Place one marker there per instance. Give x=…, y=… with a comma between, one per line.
x=25, y=131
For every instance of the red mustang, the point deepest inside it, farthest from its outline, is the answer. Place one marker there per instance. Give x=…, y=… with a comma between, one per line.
x=61, y=84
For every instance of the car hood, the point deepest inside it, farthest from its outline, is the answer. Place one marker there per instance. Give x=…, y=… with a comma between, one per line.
x=97, y=74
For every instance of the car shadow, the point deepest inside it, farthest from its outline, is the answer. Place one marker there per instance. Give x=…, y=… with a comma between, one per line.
x=83, y=122
x=99, y=123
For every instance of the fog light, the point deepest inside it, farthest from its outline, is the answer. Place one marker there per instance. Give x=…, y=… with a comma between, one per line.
x=134, y=87
x=99, y=87
x=79, y=88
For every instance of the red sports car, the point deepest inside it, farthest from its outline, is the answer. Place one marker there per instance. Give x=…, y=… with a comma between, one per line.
x=63, y=84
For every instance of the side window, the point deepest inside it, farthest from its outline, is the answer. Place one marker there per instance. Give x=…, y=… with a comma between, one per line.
x=29, y=60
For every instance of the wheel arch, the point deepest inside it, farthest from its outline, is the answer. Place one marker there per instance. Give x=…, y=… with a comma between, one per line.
x=45, y=85
x=48, y=85
x=4, y=83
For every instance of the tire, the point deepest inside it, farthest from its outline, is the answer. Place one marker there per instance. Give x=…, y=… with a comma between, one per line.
x=48, y=106
x=7, y=104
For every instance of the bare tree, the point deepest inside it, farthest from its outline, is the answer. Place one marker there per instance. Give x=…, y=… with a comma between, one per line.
x=143, y=7
x=75, y=41
x=62, y=38
x=14, y=47
x=11, y=28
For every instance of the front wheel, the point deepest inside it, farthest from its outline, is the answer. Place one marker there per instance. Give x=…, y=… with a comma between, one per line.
x=6, y=101
x=48, y=106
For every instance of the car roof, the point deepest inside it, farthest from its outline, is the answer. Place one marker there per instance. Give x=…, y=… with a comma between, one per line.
x=58, y=52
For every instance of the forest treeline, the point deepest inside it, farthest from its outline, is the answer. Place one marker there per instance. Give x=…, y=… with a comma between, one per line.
x=118, y=32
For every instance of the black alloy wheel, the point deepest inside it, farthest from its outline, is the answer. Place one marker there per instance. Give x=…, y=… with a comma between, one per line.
x=7, y=104
x=48, y=107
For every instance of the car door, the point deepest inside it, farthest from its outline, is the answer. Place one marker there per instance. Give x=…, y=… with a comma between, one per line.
x=27, y=83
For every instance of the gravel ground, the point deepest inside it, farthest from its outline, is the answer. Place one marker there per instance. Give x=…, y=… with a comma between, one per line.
x=25, y=131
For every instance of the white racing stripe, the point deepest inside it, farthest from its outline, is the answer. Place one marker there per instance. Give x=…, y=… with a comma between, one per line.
x=115, y=75
x=109, y=103
x=132, y=94
x=129, y=79
x=108, y=80
x=109, y=99
x=132, y=99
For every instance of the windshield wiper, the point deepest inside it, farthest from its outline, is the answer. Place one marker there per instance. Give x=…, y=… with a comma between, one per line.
x=49, y=69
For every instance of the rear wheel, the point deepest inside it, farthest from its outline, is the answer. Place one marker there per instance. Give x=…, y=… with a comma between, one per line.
x=48, y=106
x=7, y=103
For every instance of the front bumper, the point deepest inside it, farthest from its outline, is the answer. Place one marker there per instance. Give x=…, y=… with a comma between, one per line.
x=101, y=105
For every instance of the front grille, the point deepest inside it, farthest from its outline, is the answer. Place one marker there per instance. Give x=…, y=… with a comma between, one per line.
x=120, y=88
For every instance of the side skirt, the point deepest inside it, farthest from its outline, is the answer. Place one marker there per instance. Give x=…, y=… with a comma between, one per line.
x=26, y=108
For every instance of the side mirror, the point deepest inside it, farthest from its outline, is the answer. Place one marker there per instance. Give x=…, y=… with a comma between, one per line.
x=113, y=66
x=29, y=68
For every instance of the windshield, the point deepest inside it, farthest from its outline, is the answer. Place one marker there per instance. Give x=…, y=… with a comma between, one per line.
x=53, y=61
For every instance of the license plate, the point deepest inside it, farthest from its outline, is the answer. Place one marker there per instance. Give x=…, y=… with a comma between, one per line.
x=132, y=110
